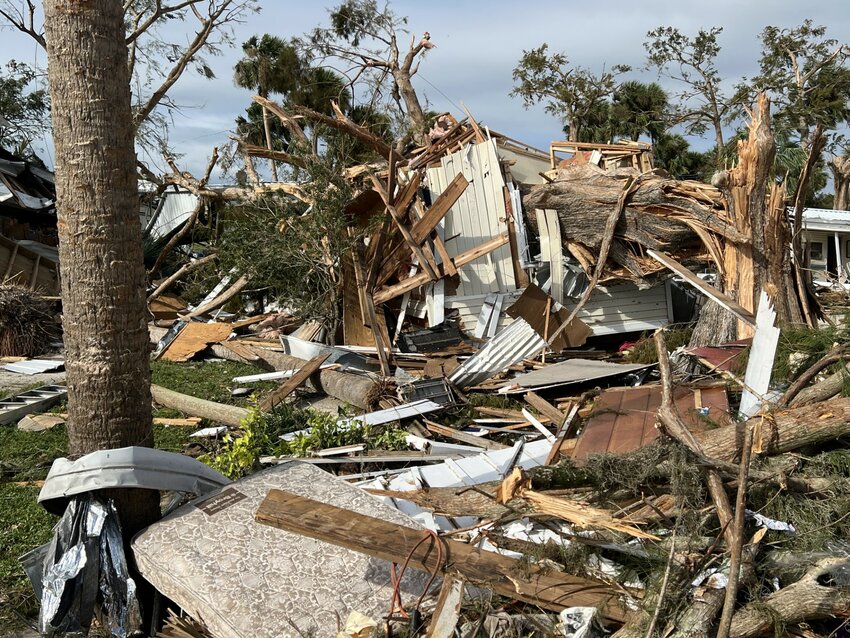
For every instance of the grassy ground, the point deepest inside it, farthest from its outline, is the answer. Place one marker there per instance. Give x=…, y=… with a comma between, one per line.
x=26, y=456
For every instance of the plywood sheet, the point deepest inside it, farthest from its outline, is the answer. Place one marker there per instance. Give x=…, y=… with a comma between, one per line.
x=196, y=336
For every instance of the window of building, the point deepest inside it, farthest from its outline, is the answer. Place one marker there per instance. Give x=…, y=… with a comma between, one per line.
x=816, y=250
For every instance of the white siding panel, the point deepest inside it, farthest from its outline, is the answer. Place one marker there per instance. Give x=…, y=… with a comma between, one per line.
x=610, y=310
x=478, y=216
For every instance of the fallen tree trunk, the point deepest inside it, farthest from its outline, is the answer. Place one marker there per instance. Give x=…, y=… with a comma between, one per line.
x=781, y=431
x=824, y=592
x=822, y=390
x=358, y=390
x=218, y=412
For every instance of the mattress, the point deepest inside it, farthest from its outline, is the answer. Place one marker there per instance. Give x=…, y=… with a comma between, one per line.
x=241, y=578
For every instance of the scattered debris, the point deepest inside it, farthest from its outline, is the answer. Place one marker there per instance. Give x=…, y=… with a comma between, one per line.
x=493, y=422
x=39, y=422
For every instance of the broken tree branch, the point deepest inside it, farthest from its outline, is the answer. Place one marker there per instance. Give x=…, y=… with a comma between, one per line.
x=737, y=539
x=185, y=269
x=234, y=289
x=835, y=355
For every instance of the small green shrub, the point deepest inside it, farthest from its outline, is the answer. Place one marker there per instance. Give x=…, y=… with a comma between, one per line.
x=260, y=435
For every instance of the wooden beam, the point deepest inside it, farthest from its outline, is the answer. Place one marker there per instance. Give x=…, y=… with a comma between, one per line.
x=408, y=193
x=546, y=588
x=441, y=206
x=567, y=430
x=449, y=265
x=462, y=437
x=707, y=289
x=447, y=611
x=520, y=275
x=379, y=331
x=12, y=258
x=289, y=386
x=391, y=292
x=426, y=261
x=545, y=408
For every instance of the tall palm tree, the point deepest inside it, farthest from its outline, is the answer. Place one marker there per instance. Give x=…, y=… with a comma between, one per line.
x=270, y=65
x=640, y=108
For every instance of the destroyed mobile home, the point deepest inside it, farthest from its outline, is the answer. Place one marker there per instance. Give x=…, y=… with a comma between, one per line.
x=495, y=468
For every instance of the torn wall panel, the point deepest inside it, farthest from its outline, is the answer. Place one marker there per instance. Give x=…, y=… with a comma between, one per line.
x=478, y=216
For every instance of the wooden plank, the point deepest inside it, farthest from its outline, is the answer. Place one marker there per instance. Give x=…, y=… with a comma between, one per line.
x=441, y=206
x=546, y=588
x=566, y=433
x=545, y=408
x=11, y=265
x=391, y=292
x=408, y=193
x=520, y=276
x=418, y=209
x=240, y=350
x=196, y=336
x=462, y=437
x=428, y=265
x=355, y=330
x=379, y=329
x=424, y=227
x=708, y=290
x=289, y=386
x=34, y=273
x=447, y=611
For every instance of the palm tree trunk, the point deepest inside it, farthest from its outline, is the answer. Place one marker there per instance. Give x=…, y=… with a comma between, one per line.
x=100, y=237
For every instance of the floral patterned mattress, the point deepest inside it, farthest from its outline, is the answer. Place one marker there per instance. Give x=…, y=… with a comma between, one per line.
x=241, y=578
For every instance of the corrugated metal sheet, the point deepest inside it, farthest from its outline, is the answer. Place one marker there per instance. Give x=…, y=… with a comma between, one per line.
x=511, y=345
x=491, y=465
x=567, y=372
x=173, y=211
x=478, y=216
x=34, y=366
x=396, y=413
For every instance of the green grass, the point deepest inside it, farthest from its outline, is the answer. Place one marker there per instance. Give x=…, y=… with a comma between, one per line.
x=24, y=525
x=211, y=380
x=171, y=438
x=26, y=456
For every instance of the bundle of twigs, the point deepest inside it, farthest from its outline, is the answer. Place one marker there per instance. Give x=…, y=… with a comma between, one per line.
x=27, y=322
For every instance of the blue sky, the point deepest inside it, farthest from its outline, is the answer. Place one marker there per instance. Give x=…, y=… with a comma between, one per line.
x=478, y=44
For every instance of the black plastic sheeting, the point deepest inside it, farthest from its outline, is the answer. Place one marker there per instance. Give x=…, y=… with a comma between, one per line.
x=85, y=572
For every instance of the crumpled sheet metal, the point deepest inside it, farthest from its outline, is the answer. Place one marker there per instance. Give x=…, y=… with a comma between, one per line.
x=513, y=344
x=126, y=468
x=243, y=579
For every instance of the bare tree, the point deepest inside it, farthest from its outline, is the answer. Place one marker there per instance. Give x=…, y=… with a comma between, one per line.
x=703, y=104
x=155, y=64
x=362, y=44
x=571, y=93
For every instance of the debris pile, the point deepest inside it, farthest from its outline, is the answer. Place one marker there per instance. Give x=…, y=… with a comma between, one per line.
x=491, y=440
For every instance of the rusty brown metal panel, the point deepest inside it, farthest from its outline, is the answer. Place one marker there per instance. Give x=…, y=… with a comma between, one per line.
x=624, y=418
